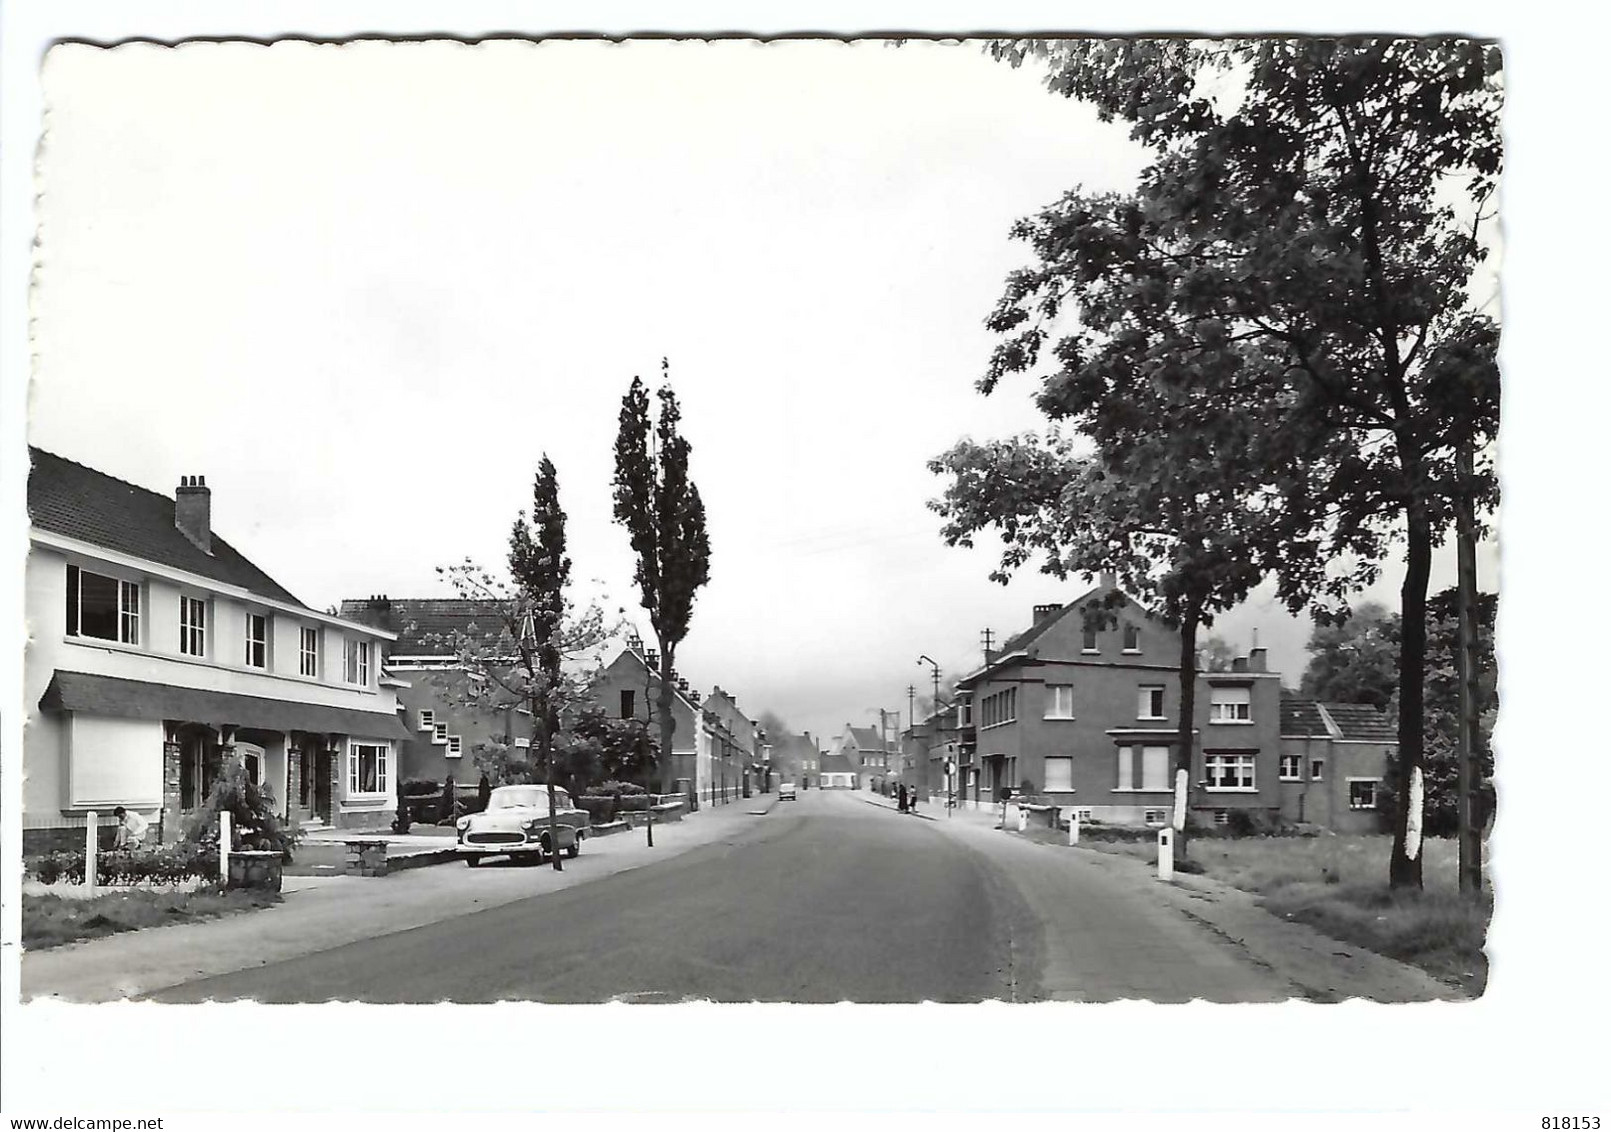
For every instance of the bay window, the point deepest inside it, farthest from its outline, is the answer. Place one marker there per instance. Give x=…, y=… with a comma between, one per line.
x=366, y=769
x=107, y=609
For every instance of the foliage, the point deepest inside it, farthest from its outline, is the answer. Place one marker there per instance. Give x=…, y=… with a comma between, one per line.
x=614, y=748
x=1318, y=207
x=615, y=789
x=1217, y=655
x=661, y=509
x=166, y=864
x=254, y=822
x=400, y=823
x=420, y=786
x=1355, y=661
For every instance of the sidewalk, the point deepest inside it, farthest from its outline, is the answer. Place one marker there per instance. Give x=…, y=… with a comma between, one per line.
x=323, y=912
x=1311, y=964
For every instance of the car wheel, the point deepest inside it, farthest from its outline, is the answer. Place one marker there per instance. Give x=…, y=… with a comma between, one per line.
x=472, y=861
x=575, y=848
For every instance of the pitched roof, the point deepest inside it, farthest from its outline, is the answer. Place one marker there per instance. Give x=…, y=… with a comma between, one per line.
x=1363, y=722
x=866, y=738
x=417, y=620
x=1301, y=717
x=1030, y=635
x=68, y=498
x=835, y=763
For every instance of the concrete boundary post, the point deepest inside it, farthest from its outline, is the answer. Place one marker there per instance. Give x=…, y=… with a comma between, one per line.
x=1073, y=827
x=1166, y=854
x=92, y=847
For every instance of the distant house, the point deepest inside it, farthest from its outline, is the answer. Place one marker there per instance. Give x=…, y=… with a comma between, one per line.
x=159, y=653
x=737, y=753
x=1088, y=717
x=443, y=733
x=927, y=746
x=1333, y=760
x=873, y=759
x=837, y=772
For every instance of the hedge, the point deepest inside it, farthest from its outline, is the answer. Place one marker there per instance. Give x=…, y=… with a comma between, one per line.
x=169, y=864
x=600, y=808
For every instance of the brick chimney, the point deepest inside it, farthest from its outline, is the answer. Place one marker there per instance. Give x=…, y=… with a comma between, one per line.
x=1042, y=612
x=1258, y=659
x=1108, y=580
x=193, y=511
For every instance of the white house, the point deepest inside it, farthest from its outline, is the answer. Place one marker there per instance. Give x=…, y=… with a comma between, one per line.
x=157, y=652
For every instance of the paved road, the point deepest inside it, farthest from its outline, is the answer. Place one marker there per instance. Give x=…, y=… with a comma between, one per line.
x=823, y=900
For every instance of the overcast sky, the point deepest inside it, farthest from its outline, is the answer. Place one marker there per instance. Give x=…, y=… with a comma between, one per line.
x=362, y=289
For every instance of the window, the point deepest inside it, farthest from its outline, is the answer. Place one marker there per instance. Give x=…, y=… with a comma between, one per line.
x=1059, y=774
x=1317, y=770
x=1362, y=793
x=256, y=640
x=964, y=713
x=427, y=720
x=1088, y=641
x=1230, y=705
x=441, y=733
x=1155, y=817
x=1155, y=768
x=1222, y=817
x=1132, y=639
x=357, y=662
x=104, y=608
x=1084, y=815
x=1229, y=772
x=522, y=744
x=366, y=769
x=308, y=652
x=1291, y=768
x=455, y=747
x=192, y=626
x=1150, y=702
x=1001, y=707
x=628, y=706
x=1059, y=701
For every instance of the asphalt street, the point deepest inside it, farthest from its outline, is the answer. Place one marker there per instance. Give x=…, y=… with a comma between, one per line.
x=823, y=900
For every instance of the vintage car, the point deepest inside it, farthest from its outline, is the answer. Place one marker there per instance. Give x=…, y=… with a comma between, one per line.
x=515, y=823
x=786, y=793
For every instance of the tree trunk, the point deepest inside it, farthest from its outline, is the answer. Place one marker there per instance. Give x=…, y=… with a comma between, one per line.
x=667, y=727
x=1404, y=870
x=545, y=747
x=1188, y=716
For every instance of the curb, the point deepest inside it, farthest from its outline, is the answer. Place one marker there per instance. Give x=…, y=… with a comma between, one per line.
x=421, y=860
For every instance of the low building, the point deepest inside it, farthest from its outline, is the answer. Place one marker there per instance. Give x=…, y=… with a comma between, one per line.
x=870, y=755
x=1333, y=760
x=159, y=653
x=837, y=772
x=1087, y=715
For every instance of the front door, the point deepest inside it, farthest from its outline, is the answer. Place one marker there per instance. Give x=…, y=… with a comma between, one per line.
x=321, y=784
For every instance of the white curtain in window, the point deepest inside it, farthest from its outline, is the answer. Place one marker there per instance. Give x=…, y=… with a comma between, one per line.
x=1155, y=768
x=1059, y=773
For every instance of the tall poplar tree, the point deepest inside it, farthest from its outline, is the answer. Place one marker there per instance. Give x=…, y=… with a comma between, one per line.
x=660, y=507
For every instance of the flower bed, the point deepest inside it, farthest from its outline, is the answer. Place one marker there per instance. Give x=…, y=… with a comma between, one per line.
x=164, y=865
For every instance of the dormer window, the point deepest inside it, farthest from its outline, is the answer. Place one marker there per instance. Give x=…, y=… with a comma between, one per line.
x=1132, y=639
x=107, y=609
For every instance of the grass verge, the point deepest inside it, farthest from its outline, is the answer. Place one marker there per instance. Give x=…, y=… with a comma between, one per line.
x=50, y=921
x=1338, y=885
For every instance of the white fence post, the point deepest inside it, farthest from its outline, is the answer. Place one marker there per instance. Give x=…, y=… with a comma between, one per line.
x=1023, y=818
x=1073, y=827
x=92, y=846
x=224, y=843
x=1166, y=854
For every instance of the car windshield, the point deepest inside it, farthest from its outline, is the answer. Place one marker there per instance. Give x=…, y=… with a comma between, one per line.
x=514, y=797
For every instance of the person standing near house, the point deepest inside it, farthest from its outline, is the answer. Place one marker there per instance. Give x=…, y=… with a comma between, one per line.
x=901, y=796
x=131, y=829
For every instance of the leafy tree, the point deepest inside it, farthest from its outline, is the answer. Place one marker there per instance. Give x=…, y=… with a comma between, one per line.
x=524, y=650
x=660, y=507
x=1217, y=654
x=1355, y=661
x=612, y=749
x=1323, y=200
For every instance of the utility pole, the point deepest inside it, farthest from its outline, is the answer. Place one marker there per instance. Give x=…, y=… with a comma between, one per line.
x=1470, y=831
x=934, y=717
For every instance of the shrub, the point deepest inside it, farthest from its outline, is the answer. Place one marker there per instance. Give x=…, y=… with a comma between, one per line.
x=253, y=821
x=632, y=803
x=600, y=808
x=167, y=864
x=615, y=789
x=417, y=787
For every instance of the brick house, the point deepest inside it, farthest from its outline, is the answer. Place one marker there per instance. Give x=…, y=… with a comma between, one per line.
x=875, y=764
x=1333, y=760
x=158, y=653
x=737, y=754
x=1088, y=719
x=443, y=733
x=629, y=688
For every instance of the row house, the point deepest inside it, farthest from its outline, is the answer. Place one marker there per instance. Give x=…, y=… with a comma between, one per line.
x=158, y=653
x=1085, y=712
x=444, y=731
x=929, y=746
